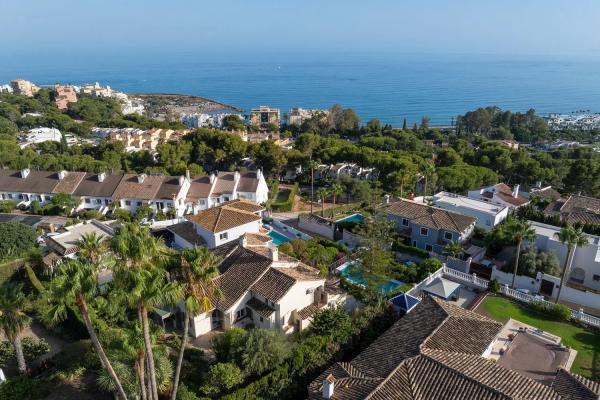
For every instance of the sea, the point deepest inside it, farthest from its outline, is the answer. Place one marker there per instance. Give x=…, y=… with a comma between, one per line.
x=386, y=86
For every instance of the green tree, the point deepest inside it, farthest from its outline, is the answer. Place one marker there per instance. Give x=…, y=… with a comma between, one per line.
x=13, y=321
x=571, y=237
x=453, y=249
x=17, y=239
x=7, y=206
x=65, y=201
x=73, y=287
x=264, y=349
x=196, y=270
x=322, y=193
x=516, y=231
x=229, y=346
x=334, y=323
x=335, y=190
x=222, y=377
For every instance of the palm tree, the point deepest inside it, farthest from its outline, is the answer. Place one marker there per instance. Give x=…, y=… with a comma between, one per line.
x=516, y=230
x=428, y=171
x=13, y=320
x=336, y=189
x=572, y=237
x=75, y=285
x=140, y=278
x=321, y=194
x=197, y=268
x=312, y=164
x=92, y=248
x=453, y=249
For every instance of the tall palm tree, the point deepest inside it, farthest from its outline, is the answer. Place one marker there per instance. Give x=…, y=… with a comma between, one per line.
x=312, y=164
x=76, y=284
x=92, y=248
x=141, y=278
x=516, y=230
x=13, y=320
x=572, y=237
x=335, y=190
x=428, y=171
x=453, y=249
x=321, y=194
x=196, y=269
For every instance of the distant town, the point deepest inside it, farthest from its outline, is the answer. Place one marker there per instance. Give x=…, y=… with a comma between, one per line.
x=165, y=246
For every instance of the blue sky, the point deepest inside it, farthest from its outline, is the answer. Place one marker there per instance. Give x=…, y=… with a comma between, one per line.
x=510, y=27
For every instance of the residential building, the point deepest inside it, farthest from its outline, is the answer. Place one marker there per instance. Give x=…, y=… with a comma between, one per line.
x=501, y=194
x=39, y=135
x=207, y=119
x=441, y=351
x=585, y=268
x=335, y=171
x=264, y=288
x=138, y=139
x=180, y=194
x=217, y=226
x=542, y=192
x=296, y=116
x=511, y=144
x=6, y=89
x=429, y=228
x=96, y=90
x=264, y=117
x=63, y=95
x=488, y=215
x=23, y=87
x=575, y=209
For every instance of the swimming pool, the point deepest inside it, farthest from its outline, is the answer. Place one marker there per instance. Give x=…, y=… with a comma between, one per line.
x=352, y=218
x=278, y=238
x=357, y=277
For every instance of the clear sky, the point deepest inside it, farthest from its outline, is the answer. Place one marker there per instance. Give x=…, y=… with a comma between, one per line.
x=511, y=27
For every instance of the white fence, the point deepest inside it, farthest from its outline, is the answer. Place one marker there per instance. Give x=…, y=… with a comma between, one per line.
x=474, y=280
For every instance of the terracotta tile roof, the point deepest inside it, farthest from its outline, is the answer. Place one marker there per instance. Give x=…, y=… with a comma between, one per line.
x=432, y=353
x=219, y=219
x=574, y=387
x=261, y=308
x=35, y=182
x=546, y=193
x=582, y=209
x=69, y=183
x=169, y=189
x=199, y=188
x=510, y=199
x=130, y=188
x=307, y=311
x=186, y=231
x=90, y=186
x=257, y=239
x=302, y=272
x=273, y=285
x=503, y=188
x=225, y=183
x=431, y=217
x=248, y=182
x=244, y=205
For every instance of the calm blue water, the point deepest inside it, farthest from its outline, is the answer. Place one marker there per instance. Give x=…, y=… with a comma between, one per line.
x=352, y=218
x=278, y=238
x=357, y=278
x=390, y=87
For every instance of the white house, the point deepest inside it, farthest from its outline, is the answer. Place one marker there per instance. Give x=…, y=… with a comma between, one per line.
x=39, y=135
x=501, y=194
x=488, y=215
x=264, y=288
x=585, y=269
x=25, y=186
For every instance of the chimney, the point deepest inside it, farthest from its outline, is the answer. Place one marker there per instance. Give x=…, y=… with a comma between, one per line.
x=187, y=175
x=328, y=386
x=62, y=174
x=101, y=176
x=274, y=253
x=181, y=180
x=516, y=191
x=243, y=241
x=25, y=173
x=212, y=178
x=258, y=174
x=141, y=178
x=386, y=199
x=236, y=176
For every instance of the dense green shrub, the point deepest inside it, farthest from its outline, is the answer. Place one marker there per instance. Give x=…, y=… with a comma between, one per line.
x=222, y=377
x=17, y=239
x=32, y=349
x=285, y=206
x=494, y=286
x=332, y=322
x=559, y=312
x=7, y=206
x=404, y=248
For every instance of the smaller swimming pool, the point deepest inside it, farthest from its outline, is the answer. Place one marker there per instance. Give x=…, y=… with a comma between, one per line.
x=357, y=277
x=278, y=238
x=352, y=218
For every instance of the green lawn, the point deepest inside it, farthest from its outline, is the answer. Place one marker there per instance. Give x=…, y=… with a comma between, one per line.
x=282, y=196
x=585, y=341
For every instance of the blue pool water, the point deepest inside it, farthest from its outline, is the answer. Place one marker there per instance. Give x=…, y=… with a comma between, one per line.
x=352, y=218
x=278, y=238
x=357, y=278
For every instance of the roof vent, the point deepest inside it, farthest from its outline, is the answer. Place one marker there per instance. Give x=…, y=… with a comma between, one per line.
x=274, y=253
x=25, y=173
x=101, y=176
x=141, y=178
x=62, y=174
x=328, y=387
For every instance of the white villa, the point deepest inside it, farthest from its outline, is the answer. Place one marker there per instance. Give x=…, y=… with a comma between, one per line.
x=488, y=215
x=183, y=194
x=501, y=194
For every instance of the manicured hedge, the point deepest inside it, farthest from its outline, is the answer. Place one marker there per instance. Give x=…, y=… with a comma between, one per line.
x=286, y=206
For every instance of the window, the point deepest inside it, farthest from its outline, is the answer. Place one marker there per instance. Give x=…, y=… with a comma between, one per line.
x=87, y=201
x=202, y=202
x=414, y=243
x=448, y=235
x=226, y=198
x=596, y=278
x=404, y=222
x=20, y=197
x=428, y=247
x=240, y=314
x=127, y=202
x=3, y=197
x=261, y=319
x=223, y=235
x=139, y=203
x=424, y=231
x=98, y=201
x=10, y=196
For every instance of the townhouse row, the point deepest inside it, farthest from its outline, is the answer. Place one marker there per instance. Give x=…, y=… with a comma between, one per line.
x=182, y=194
